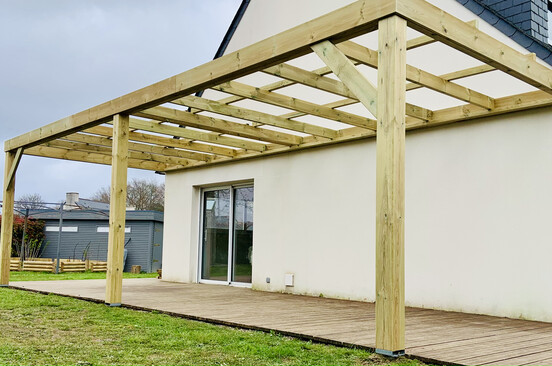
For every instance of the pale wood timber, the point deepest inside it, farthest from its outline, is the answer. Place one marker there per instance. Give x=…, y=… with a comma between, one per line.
x=89, y=157
x=472, y=71
x=337, y=87
x=390, y=170
x=155, y=126
x=434, y=22
x=254, y=116
x=411, y=44
x=425, y=40
x=419, y=76
x=460, y=114
x=346, y=71
x=7, y=219
x=514, y=103
x=477, y=70
x=105, y=150
x=184, y=118
x=166, y=141
x=280, y=100
x=135, y=146
x=350, y=21
x=14, y=165
x=117, y=210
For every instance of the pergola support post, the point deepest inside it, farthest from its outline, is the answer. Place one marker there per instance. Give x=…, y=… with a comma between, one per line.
x=390, y=310
x=10, y=168
x=117, y=211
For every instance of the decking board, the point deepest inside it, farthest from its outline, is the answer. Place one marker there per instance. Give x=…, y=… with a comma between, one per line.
x=449, y=337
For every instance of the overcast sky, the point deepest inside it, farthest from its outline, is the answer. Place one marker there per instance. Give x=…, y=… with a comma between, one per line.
x=59, y=57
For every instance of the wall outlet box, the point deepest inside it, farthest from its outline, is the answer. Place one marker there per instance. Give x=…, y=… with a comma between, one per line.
x=268, y=280
x=288, y=279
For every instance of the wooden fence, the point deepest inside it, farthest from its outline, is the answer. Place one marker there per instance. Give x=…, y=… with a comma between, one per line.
x=49, y=265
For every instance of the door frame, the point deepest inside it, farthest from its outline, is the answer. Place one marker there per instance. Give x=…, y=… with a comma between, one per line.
x=229, y=281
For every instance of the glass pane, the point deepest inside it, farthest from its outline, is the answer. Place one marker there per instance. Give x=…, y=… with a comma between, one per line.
x=243, y=234
x=216, y=222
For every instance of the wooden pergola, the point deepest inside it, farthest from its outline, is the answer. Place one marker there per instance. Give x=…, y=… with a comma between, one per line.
x=138, y=130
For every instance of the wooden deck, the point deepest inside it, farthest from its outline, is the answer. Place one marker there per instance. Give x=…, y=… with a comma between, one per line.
x=447, y=337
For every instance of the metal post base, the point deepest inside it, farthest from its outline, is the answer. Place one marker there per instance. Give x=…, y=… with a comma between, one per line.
x=114, y=305
x=389, y=353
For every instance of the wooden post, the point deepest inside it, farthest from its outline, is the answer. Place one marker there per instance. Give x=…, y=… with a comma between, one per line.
x=7, y=217
x=117, y=211
x=390, y=318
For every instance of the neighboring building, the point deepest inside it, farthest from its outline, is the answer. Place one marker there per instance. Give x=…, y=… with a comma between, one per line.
x=85, y=233
x=477, y=194
x=74, y=202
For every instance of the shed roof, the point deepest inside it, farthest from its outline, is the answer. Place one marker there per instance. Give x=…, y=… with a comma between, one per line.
x=96, y=215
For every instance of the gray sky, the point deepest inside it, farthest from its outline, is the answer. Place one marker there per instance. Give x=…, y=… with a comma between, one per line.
x=59, y=57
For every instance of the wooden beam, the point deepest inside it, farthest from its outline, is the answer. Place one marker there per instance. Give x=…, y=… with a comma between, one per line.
x=425, y=40
x=166, y=141
x=514, y=103
x=411, y=44
x=7, y=219
x=419, y=76
x=346, y=71
x=94, y=158
x=280, y=100
x=134, y=146
x=350, y=21
x=477, y=70
x=105, y=150
x=461, y=114
x=15, y=164
x=434, y=22
x=390, y=170
x=154, y=126
x=472, y=71
x=255, y=116
x=337, y=87
x=117, y=211
x=184, y=118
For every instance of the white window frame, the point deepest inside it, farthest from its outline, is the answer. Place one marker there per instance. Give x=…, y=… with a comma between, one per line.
x=199, y=262
x=105, y=229
x=64, y=229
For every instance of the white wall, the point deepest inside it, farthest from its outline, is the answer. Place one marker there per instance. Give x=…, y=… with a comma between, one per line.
x=478, y=213
x=478, y=202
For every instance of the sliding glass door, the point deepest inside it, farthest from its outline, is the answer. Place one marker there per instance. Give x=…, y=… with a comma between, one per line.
x=227, y=234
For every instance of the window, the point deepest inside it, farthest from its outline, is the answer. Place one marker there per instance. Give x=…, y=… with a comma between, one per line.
x=227, y=235
x=105, y=229
x=65, y=229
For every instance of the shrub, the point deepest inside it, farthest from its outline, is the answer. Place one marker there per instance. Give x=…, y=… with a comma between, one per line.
x=34, y=237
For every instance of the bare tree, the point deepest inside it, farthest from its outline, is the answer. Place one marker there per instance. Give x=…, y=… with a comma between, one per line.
x=101, y=195
x=31, y=201
x=141, y=193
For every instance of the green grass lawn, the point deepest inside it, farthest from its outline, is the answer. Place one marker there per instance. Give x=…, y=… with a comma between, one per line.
x=49, y=329
x=47, y=276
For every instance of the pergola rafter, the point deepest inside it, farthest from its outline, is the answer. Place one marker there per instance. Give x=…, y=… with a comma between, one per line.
x=149, y=128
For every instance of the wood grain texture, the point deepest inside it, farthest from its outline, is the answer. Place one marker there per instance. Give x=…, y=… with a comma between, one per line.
x=8, y=194
x=447, y=337
x=350, y=21
x=390, y=171
x=434, y=22
x=117, y=210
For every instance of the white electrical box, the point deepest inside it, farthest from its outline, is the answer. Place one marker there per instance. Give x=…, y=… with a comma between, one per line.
x=288, y=279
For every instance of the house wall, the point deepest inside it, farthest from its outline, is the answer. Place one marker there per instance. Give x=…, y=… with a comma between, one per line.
x=477, y=200
x=477, y=218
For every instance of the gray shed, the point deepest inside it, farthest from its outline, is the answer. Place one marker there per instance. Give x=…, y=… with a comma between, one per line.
x=85, y=234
